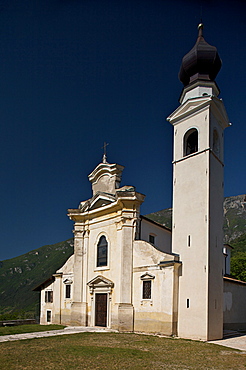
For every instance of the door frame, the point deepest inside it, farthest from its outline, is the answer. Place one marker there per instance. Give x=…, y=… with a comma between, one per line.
x=106, y=318
x=100, y=285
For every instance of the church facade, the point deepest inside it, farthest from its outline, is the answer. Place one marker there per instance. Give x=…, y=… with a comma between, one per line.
x=120, y=261
x=132, y=274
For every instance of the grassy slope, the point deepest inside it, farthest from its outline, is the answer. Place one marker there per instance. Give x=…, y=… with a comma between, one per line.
x=20, y=329
x=164, y=217
x=19, y=275
x=117, y=351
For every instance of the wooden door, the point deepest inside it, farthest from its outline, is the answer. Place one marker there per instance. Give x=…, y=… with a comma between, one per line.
x=101, y=309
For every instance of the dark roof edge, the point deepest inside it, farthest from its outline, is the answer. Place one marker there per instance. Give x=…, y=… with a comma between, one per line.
x=155, y=223
x=42, y=285
x=229, y=245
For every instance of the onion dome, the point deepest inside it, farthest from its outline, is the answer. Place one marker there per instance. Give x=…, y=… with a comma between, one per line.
x=201, y=63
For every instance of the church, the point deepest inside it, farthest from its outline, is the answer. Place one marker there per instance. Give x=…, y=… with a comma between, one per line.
x=130, y=273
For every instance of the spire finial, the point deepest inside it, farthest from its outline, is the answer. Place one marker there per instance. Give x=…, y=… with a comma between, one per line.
x=200, y=29
x=202, y=62
x=104, y=147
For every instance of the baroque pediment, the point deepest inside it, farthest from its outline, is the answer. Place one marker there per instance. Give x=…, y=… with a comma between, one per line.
x=100, y=280
x=98, y=200
x=187, y=108
x=100, y=283
x=147, y=276
x=68, y=281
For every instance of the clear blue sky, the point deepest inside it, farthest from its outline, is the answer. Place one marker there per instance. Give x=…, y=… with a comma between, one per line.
x=74, y=74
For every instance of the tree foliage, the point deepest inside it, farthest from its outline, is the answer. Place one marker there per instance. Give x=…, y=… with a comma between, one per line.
x=238, y=259
x=239, y=244
x=238, y=266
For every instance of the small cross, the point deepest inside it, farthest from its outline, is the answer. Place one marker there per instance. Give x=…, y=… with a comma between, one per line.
x=104, y=147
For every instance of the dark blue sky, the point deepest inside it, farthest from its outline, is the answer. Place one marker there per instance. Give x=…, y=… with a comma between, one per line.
x=74, y=74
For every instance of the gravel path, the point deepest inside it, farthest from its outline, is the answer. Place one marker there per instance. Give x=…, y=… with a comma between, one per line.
x=237, y=342
x=52, y=333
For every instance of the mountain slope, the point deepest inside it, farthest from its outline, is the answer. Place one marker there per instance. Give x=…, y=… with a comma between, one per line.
x=19, y=275
x=234, y=217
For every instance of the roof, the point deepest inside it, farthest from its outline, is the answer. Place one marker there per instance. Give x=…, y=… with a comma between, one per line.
x=232, y=280
x=228, y=245
x=202, y=62
x=43, y=284
x=155, y=223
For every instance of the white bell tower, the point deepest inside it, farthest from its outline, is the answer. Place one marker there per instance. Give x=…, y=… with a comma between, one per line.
x=198, y=194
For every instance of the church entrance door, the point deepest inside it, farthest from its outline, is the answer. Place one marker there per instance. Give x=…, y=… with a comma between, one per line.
x=101, y=309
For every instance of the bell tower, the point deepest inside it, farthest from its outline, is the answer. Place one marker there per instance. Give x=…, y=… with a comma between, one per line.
x=198, y=193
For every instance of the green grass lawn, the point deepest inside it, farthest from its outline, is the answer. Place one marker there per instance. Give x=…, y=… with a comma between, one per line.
x=9, y=330
x=117, y=351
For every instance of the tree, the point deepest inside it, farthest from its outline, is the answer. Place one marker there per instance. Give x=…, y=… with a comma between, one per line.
x=238, y=266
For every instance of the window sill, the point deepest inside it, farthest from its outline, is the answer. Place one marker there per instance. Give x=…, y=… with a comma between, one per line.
x=145, y=301
x=102, y=268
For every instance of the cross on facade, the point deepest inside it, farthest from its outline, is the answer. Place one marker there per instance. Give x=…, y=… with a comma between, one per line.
x=104, y=147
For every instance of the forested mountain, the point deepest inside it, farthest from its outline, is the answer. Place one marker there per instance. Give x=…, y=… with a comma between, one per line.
x=19, y=275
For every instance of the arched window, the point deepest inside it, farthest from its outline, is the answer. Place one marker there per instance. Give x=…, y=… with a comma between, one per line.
x=191, y=142
x=102, y=252
x=216, y=143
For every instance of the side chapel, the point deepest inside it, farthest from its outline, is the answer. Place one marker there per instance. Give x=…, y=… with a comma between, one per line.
x=132, y=274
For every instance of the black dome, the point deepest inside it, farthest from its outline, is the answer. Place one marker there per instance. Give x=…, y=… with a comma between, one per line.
x=201, y=63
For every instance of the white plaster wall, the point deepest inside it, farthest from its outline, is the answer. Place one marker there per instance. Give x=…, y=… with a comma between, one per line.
x=60, y=306
x=197, y=214
x=234, y=305
x=163, y=238
x=67, y=268
x=155, y=314
x=44, y=307
x=215, y=125
x=145, y=254
x=190, y=217
x=216, y=258
x=65, y=304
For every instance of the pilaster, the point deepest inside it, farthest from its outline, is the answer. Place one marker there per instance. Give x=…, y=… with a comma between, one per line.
x=77, y=310
x=126, y=230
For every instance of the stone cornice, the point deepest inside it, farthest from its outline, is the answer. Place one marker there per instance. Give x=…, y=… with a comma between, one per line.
x=126, y=201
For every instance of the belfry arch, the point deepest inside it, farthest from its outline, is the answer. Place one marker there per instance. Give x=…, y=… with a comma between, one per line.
x=190, y=144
